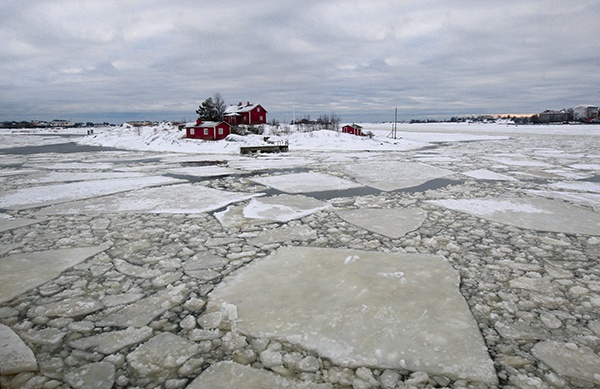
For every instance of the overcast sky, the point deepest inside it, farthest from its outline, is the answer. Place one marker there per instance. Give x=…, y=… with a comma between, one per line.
x=122, y=60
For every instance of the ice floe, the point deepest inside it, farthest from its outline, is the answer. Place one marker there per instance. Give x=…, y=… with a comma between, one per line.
x=241, y=376
x=37, y=196
x=7, y=224
x=306, y=182
x=283, y=208
x=530, y=213
x=401, y=311
x=15, y=355
x=182, y=198
x=392, y=175
x=21, y=272
x=484, y=174
x=393, y=223
x=570, y=360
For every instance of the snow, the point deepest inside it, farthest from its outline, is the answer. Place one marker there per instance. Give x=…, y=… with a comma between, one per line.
x=305, y=182
x=330, y=305
x=581, y=186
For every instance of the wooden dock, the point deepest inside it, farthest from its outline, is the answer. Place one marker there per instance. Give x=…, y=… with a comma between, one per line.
x=271, y=148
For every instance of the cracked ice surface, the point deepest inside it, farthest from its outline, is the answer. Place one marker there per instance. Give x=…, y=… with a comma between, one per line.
x=7, y=223
x=59, y=193
x=306, y=182
x=392, y=175
x=21, y=272
x=183, y=198
x=203, y=171
x=362, y=308
x=393, y=223
x=283, y=208
x=535, y=213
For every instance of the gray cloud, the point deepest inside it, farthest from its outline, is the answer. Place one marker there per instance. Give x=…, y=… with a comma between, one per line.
x=131, y=59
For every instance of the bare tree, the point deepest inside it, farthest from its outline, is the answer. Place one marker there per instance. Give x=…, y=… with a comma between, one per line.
x=219, y=106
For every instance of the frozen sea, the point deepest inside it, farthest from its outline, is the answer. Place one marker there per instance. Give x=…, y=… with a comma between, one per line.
x=450, y=255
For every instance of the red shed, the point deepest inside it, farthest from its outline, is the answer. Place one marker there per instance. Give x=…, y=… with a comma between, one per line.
x=353, y=129
x=249, y=114
x=207, y=130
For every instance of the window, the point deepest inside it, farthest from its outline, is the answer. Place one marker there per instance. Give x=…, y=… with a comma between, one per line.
x=192, y=132
x=206, y=131
x=257, y=109
x=261, y=118
x=220, y=131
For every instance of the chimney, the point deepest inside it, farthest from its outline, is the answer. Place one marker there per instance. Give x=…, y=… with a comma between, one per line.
x=240, y=104
x=247, y=104
x=198, y=121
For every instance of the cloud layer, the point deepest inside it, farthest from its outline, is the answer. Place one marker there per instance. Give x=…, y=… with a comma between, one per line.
x=124, y=60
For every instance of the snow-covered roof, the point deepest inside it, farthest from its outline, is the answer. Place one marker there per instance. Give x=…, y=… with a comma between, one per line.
x=209, y=124
x=240, y=108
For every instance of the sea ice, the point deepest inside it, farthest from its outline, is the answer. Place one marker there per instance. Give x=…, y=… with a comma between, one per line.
x=21, y=272
x=202, y=171
x=588, y=199
x=141, y=312
x=7, y=224
x=578, y=185
x=382, y=310
x=392, y=175
x=306, y=182
x=393, y=223
x=15, y=356
x=534, y=213
x=233, y=217
x=80, y=176
x=283, y=208
x=161, y=356
x=98, y=375
x=484, y=174
x=283, y=234
x=569, y=360
x=269, y=163
x=110, y=342
x=38, y=196
x=182, y=198
x=241, y=376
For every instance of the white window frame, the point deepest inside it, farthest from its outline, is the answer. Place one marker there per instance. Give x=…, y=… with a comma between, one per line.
x=206, y=131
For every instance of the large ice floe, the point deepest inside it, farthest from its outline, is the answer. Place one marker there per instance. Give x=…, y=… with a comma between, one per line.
x=59, y=193
x=530, y=213
x=393, y=223
x=306, y=182
x=15, y=355
x=21, y=272
x=393, y=175
x=182, y=198
x=359, y=308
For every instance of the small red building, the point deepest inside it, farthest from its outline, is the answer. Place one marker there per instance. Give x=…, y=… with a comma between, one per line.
x=207, y=130
x=353, y=129
x=249, y=114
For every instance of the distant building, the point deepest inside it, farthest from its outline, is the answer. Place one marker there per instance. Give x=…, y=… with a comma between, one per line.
x=60, y=123
x=249, y=114
x=207, y=130
x=585, y=113
x=354, y=129
x=549, y=116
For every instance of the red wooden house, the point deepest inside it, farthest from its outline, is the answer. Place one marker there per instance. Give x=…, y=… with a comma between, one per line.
x=207, y=130
x=353, y=129
x=249, y=114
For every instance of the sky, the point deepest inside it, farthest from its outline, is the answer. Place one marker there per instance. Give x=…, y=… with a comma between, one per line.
x=360, y=59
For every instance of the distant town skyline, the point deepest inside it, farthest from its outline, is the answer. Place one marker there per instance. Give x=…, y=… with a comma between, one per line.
x=118, y=61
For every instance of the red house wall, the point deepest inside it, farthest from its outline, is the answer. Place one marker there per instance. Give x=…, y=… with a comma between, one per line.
x=212, y=133
x=351, y=130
